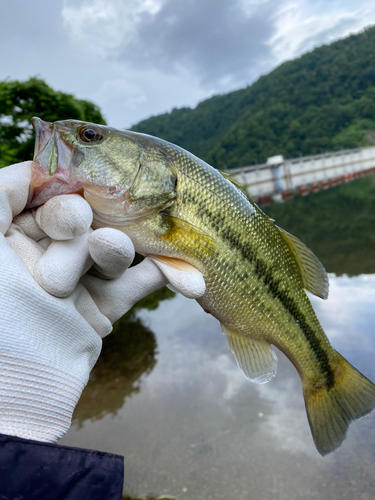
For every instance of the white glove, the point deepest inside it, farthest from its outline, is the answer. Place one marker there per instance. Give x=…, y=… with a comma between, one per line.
x=52, y=319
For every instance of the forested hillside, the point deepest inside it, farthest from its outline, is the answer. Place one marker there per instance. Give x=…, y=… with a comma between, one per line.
x=322, y=101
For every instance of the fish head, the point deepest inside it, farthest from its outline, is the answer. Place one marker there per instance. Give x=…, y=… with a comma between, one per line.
x=123, y=175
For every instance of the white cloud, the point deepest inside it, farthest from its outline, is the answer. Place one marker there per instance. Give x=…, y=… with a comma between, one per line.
x=349, y=298
x=99, y=27
x=249, y=6
x=118, y=96
x=302, y=25
x=138, y=58
x=287, y=421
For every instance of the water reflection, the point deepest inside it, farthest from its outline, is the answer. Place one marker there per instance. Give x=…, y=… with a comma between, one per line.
x=347, y=320
x=128, y=354
x=196, y=428
x=338, y=225
x=197, y=423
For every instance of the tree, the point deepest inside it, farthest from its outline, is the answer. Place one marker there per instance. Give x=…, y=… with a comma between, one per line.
x=20, y=101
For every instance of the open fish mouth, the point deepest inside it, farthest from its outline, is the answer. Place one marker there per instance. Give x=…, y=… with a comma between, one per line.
x=61, y=167
x=43, y=133
x=51, y=170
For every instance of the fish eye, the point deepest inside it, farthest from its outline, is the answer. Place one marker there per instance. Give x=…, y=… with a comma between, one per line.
x=90, y=134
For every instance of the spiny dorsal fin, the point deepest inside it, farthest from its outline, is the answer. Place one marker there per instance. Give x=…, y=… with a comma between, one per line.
x=243, y=191
x=238, y=185
x=314, y=276
x=255, y=358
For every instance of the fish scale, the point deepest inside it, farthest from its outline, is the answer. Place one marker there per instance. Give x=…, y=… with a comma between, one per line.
x=243, y=219
x=178, y=209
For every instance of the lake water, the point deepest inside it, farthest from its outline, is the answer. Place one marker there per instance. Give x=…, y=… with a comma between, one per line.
x=167, y=394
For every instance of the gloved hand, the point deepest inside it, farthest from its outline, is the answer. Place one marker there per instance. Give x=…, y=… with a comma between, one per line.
x=53, y=314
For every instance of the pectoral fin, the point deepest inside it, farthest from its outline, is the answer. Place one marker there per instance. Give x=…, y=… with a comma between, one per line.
x=255, y=358
x=314, y=276
x=186, y=237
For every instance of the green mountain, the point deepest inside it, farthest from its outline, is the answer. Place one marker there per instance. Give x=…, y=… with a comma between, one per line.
x=322, y=101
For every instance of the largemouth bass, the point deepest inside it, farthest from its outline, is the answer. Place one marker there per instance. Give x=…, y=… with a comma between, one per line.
x=178, y=209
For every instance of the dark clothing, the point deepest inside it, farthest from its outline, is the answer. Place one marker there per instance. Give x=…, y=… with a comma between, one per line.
x=33, y=470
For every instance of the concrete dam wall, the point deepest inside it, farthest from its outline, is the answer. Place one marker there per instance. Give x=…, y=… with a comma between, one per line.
x=280, y=179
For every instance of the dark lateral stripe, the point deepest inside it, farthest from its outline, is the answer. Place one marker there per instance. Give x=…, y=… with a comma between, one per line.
x=248, y=252
x=314, y=342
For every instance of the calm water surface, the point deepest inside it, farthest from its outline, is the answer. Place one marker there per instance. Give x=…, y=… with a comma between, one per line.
x=167, y=394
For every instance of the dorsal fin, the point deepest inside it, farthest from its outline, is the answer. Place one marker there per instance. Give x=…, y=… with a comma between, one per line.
x=314, y=276
x=243, y=191
x=255, y=358
x=237, y=185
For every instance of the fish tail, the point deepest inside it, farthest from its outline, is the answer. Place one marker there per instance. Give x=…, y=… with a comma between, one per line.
x=331, y=409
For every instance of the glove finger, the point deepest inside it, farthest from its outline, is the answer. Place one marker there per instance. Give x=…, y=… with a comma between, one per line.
x=112, y=252
x=26, y=221
x=87, y=308
x=5, y=213
x=64, y=217
x=45, y=242
x=27, y=249
x=60, y=268
x=114, y=298
x=14, y=192
x=191, y=285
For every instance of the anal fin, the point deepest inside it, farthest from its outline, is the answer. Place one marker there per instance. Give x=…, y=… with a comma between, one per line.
x=255, y=358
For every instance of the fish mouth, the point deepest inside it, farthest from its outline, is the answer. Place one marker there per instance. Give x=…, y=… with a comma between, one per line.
x=52, y=171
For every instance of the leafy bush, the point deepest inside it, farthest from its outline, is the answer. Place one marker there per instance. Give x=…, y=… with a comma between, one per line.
x=20, y=101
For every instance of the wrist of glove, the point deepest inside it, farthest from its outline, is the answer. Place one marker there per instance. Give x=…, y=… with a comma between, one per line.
x=53, y=314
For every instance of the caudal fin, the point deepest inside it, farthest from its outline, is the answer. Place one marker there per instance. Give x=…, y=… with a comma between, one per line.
x=330, y=411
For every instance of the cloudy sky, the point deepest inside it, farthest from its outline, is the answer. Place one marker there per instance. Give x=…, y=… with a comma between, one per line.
x=137, y=58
